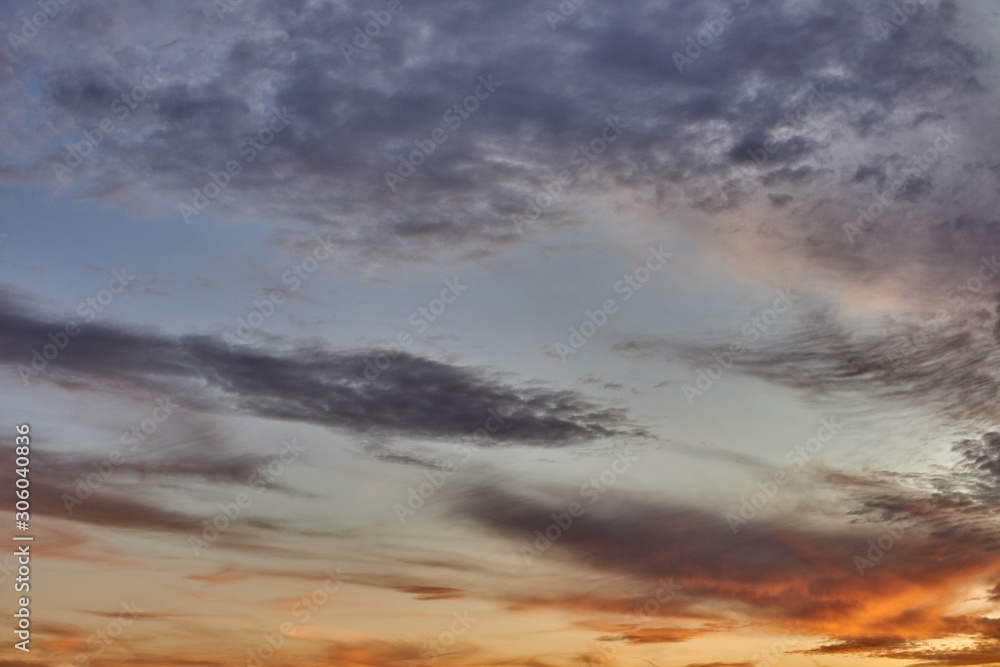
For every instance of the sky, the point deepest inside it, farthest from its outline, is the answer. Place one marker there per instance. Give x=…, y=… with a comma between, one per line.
x=533, y=333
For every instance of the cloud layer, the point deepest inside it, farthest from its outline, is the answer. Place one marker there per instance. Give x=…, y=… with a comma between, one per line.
x=360, y=391
x=802, y=129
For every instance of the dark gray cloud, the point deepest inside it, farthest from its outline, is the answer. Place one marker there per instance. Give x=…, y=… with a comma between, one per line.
x=982, y=456
x=410, y=396
x=805, y=105
x=946, y=363
x=785, y=567
x=190, y=451
x=62, y=492
x=779, y=200
x=118, y=486
x=956, y=502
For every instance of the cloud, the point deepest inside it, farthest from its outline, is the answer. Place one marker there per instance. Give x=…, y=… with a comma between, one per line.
x=812, y=116
x=982, y=652
x=413, y=396
x=375, y=652
x=831, y=89
x=943, y=363
x=659, y=635
x=433, y=592
x=778, y=568
x=115, y=502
